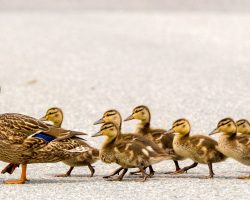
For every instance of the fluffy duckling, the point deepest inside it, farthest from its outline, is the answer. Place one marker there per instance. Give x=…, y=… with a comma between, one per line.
x=199, y=148
x=55, y=115
x=127, y=154
x=232, y=145
x=243, y=127
x=115, y=117
x=158, y=136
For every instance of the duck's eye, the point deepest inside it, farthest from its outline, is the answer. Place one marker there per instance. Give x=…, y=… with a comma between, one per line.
x=142, y=112
x=229, y=125
x=244, y=126
x=183, y=126
x=56, y=115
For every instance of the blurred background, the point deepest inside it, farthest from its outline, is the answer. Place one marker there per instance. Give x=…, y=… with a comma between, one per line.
x=181, y=58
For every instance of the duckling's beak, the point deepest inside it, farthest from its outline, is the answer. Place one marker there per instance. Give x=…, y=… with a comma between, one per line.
x=129, y=118
x=43, y=118
x=100, y=121
x=214, y=131
x=170, y=131
x=97, y=134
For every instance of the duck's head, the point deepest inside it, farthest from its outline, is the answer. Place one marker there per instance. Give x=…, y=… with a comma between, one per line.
x=227, y=126
x=141, y=113
x=108, y=129
x=181, y=127
x=243, y=126
x=110, y=116
x=54, y=115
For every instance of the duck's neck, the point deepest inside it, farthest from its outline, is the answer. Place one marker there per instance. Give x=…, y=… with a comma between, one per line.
x=143, y=127
x=182, y=135
x=109, y=142
x=58, y=124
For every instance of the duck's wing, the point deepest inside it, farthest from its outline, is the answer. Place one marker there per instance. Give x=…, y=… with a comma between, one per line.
x=22, y=124
x=27, y=126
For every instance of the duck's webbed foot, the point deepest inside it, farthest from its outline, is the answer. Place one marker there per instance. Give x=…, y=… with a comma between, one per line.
x=22, y=179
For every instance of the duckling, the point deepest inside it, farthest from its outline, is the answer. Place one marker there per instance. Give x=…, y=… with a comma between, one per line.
x=158, y=136
x=199, y=148
x=243, y=127
x=232, y=145
x=127, y=154
x=26, y=140
x=115, y=117
x=55, y=115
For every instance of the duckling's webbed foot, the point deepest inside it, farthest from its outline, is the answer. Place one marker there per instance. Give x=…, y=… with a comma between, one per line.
x=67, y=174
x=177, y=169
x=120, y=177
x=92, y=170
x=144, y=174
x=114, y=173
x=135, y=172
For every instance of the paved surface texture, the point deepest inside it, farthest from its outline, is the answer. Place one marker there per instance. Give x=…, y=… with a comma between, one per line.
x=180, y=64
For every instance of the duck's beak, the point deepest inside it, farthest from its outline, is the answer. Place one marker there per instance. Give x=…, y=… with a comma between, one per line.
x=129, y=118
x=214, y=131
x=43, y=118
x=100, y=121
x=97, y=134
x=170, y=131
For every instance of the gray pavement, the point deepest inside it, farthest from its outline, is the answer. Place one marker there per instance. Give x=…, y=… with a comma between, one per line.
x=180, y=64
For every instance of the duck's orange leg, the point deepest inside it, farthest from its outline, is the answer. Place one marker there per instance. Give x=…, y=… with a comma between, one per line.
x=22, y=179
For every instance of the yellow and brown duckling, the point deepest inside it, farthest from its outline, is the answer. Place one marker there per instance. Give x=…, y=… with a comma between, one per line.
x=232, y=145
x=158, y=136
x=115, y=117
x=127, y=154
x=243, y=127
x=25, y=140
x=55, y=115
x=199, y=148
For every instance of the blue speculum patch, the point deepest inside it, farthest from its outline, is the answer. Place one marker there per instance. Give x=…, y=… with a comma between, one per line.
x=44, y=136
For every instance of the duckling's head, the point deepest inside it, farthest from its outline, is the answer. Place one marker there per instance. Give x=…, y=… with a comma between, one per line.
x=181, y=127
x=226, y=126
x=110, y=116
x=141, y=113
x=108, y=129
x=54, y=115
x=243, y=126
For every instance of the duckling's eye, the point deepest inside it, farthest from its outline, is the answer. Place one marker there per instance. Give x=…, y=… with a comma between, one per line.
x=142, y=112
x=244, y=126
x=183, y=126
x=56, y=115
x=229, y=125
